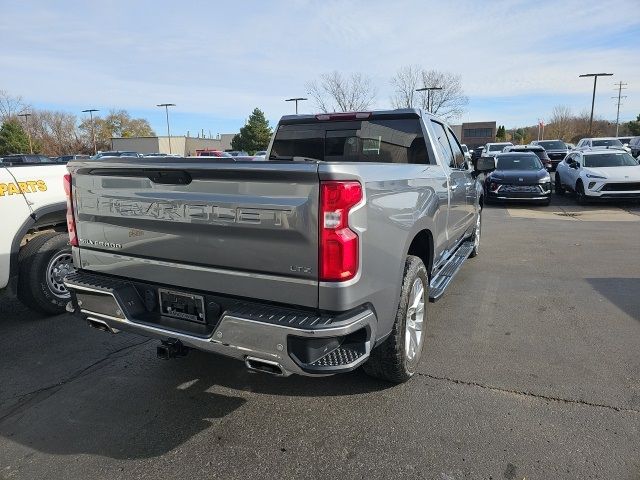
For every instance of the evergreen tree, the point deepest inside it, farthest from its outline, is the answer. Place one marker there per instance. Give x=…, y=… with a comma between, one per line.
x=255, y=135
x=13, y=138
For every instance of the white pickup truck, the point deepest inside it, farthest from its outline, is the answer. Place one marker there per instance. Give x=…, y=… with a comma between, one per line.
x=35, y=255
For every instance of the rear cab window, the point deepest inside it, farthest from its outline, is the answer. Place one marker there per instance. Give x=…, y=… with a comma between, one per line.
x=395, y=140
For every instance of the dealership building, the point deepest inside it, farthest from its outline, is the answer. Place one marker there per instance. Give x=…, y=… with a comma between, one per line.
x=180, y=145
x=474, y=134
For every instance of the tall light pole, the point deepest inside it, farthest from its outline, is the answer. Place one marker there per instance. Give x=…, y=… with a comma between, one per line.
x=93, y=127
x=428, y=90
x=166, y=108
x=621, y=86
x=593, y=99
x=298, y=99
x=26, y=125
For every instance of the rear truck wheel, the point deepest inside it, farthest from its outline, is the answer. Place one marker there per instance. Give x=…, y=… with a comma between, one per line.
x=476, y=236
x=395, y=360
x=560, y=190
x=42, y=265
x=580, y=195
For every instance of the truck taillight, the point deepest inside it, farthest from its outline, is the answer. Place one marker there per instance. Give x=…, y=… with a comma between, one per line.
x=338, y=243
x=71, y=219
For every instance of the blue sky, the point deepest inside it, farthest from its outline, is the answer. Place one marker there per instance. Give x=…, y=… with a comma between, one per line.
x=219, y=60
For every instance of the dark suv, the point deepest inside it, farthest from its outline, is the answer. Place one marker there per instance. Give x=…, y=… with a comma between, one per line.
x=634, y=145
x=556, y=149
x=539, y=151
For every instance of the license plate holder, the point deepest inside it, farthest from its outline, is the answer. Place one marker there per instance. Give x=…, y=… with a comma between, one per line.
x=182, y=305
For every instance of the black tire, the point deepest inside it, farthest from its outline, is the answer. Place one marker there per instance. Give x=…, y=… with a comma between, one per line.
x=580, y=196
x=389, y=361
x=546, y=203
x=559, y=188
x=34, y=290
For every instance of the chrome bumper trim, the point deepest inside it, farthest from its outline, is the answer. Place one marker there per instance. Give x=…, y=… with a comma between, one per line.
x=240, y=338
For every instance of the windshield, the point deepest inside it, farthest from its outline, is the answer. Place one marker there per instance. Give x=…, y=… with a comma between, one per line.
x=621, y=159
x=553, y=145
x=607, y=143
x=518, y=162
x=498, y=147
x=388, y=141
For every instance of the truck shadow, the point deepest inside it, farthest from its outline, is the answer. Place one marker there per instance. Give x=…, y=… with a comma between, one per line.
x=141, y=407
x=622, y=292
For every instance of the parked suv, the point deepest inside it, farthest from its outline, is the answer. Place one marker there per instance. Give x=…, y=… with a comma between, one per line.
x=556, y=150
x=602, y=142
x=539, y=151
x=316, y=261
x=634, y=146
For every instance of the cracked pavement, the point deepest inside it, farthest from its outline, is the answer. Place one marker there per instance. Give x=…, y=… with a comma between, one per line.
x=531, y=370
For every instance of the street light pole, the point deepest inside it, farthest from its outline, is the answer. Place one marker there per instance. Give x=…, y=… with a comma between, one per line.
x=428, y=90
x=166, y=108
x=93, y=127
x=297, y=99
x=26, y=125
x=593, y=98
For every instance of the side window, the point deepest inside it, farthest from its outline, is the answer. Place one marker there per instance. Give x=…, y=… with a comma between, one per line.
x=570, y=159
x=442, y=143
x=458, y=154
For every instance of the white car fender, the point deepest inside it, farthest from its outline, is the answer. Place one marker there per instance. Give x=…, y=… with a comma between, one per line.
x=26, y=194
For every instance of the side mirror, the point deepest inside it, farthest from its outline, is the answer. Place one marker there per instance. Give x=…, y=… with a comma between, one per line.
x=485, y=164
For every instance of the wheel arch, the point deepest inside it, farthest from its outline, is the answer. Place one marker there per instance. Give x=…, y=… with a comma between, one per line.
x=421, y=246
x=48, y=217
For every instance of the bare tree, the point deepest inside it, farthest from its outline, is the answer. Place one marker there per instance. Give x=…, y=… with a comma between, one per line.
x=449, y=102
x=561, y=124
x=405, y=82
x=10, y=105
x=55, y=132
x=334, y=92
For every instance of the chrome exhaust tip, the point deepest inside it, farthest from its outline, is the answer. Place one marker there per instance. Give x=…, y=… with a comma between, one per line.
x=265, y=366
x=101, y=325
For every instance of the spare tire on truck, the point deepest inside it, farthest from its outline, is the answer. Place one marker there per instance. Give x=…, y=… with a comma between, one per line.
x=42, y=265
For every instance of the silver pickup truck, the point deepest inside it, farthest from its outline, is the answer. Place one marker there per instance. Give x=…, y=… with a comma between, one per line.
x=317, y=261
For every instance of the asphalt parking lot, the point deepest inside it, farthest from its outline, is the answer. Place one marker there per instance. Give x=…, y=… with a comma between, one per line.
x=531, y=370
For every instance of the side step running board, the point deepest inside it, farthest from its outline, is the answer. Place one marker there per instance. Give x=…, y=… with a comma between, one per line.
x=443, y=278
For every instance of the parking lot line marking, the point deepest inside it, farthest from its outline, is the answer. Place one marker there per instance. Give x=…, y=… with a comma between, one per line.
x=576, y=215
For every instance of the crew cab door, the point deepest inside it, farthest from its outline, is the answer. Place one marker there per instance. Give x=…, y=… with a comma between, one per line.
x=458, y=178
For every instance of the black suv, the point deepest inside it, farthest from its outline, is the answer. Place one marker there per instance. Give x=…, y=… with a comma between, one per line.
x=634, y=145
x=538, y=150
x=556, y=149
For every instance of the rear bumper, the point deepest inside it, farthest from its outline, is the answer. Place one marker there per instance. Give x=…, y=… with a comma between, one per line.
x=298, y=341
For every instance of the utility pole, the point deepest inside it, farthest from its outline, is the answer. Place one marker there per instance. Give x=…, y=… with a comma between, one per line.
x=166, y=109
x=428, y=90
x=26, y=126
x=593, y=98
x=297, y=99
x=93, y=127
x=621, y=86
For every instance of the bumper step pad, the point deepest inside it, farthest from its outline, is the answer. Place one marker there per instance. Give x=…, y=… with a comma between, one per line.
x=341, y=356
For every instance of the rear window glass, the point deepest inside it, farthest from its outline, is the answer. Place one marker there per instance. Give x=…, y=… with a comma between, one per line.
x=552, y=145
x=607, y=143
x=386, y=141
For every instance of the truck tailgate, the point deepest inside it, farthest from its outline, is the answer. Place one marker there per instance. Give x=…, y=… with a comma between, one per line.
x=244, y=229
